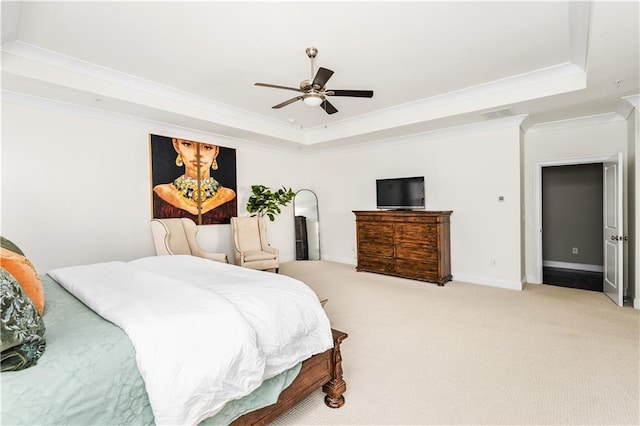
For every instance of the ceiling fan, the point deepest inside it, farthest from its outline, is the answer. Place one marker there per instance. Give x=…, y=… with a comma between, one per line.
x=313, y=90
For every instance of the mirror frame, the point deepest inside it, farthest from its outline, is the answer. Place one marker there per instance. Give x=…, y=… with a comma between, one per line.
x=315, y=196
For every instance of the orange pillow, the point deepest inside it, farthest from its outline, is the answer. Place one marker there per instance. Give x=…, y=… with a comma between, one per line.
x=24, y=272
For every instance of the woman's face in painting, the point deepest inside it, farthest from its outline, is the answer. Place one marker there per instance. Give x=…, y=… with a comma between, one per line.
x=189, y=153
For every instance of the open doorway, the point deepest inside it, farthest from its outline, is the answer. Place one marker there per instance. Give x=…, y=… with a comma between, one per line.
x=572, y=217
x=612, y=221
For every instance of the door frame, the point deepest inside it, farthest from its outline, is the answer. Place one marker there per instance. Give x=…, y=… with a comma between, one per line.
x=569, y=161
x=614, y=290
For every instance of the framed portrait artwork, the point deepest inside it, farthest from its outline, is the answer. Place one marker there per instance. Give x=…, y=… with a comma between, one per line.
x=193, y=179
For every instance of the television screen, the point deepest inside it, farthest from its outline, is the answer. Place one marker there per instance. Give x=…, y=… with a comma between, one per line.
x=400, y=193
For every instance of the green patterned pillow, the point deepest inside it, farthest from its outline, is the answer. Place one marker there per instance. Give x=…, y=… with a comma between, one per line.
x=23, y=329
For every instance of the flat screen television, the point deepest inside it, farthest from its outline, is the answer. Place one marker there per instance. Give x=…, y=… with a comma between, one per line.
x=400, y=193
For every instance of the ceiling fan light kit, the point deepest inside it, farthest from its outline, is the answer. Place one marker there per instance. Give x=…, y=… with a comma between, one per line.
x=312, y=99
x=314, y=91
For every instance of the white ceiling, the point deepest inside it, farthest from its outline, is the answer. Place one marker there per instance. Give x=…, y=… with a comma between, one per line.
x=430, y=64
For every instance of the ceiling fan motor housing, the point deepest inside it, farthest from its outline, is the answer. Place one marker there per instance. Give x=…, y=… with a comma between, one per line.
x=306, y=85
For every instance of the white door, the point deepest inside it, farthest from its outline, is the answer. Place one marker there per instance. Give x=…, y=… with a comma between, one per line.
x=613, y=232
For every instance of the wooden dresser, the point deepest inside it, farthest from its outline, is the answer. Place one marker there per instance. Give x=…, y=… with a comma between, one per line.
x=410, y=244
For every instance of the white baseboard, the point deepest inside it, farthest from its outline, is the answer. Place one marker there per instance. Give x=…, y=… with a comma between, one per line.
x=636, y=303
x=339, y=260
x=577, y=266
x=322, y=257
x=491, y=282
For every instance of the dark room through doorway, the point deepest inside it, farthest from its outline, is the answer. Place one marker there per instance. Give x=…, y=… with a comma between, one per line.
x=572, y=225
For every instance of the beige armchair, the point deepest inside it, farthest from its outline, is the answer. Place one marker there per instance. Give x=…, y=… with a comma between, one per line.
x=250, y=246
x=178, y=236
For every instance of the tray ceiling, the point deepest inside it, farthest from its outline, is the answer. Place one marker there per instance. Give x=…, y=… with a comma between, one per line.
x=430, y=64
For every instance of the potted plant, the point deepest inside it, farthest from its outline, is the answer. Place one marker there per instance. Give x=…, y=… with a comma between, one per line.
x=264, y=202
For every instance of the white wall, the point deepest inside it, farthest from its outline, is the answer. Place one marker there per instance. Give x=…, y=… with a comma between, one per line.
x=76, y=189
x=465, y=173
x=588, y=137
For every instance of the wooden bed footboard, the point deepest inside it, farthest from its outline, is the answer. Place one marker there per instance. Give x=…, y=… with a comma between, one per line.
x=320, y=371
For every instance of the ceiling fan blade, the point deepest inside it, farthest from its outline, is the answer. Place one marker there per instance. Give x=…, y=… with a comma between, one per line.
x=322, y=76
x=352, y=93
x=275, y=86
x=285, y=103
x=326, y=105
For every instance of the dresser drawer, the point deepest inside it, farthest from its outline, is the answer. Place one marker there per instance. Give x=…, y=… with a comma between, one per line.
x=416, y=251
x=375, y=230
x=375, y=247
x=375, y=239
x=424, y=233
x=376, y=264
x=419, y=270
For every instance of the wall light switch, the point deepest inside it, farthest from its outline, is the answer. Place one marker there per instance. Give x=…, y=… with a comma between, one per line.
x=574, y=250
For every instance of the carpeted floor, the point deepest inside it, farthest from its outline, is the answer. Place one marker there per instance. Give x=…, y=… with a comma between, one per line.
x=472, y=354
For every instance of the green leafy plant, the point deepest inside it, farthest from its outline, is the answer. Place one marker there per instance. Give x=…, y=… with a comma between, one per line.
x=264, y=202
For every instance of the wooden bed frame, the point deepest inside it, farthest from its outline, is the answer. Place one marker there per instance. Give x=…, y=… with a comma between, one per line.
x=320, y=371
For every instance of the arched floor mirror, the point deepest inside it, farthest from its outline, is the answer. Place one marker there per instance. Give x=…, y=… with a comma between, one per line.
x=307, y=224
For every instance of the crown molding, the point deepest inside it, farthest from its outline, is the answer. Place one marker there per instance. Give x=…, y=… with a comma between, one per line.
x=477, y=127
x=625, y=106
x=592, y=120
x=633, y=100
x=156, y=127
x=149, y=126
x=41, y=67
x=546, y=82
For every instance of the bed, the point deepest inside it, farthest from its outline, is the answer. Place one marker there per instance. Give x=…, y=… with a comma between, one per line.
x=92, y=373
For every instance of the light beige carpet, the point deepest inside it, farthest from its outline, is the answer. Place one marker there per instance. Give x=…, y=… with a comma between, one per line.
x=471, y=354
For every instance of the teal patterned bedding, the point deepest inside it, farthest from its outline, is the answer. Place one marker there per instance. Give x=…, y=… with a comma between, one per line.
x=88, y=375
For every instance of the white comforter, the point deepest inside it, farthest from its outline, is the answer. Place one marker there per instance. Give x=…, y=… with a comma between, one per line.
x=204, y=332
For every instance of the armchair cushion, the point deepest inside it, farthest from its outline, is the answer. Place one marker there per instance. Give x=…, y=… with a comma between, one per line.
x=256, y=255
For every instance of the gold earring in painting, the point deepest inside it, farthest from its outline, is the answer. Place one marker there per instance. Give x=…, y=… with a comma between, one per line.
x=214, y=165
x=179, y=161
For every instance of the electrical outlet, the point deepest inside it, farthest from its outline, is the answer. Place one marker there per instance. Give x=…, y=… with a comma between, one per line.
x=574, y=250
x=492, y=262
